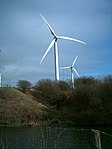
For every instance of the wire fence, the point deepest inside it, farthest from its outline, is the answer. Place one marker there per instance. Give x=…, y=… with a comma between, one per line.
x=55, y=138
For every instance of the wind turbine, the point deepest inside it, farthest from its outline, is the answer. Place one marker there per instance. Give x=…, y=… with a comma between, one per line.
x=54, y=43
x=72, y=70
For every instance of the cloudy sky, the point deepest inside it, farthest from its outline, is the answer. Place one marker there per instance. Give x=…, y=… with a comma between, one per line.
x=24, y=38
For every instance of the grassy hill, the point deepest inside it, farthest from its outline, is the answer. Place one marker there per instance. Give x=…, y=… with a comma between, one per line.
x=18, y=108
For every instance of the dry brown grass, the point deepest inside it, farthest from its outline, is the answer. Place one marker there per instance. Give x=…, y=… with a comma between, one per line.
x=18, y=108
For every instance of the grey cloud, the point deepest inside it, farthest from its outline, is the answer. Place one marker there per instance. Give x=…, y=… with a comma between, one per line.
x=24, y=37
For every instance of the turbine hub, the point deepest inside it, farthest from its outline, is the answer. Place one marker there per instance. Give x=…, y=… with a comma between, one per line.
x=56, y=38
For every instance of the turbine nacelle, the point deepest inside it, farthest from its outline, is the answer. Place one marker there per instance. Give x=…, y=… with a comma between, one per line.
x=56, y=38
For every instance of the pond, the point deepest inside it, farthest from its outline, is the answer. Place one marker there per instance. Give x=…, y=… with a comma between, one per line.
x=44, y=137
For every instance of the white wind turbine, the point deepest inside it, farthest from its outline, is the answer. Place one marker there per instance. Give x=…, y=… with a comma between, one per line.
x=72, y=70
x=54, y=42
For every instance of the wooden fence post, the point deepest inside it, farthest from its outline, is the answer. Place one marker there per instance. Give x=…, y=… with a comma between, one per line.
x=97, y=139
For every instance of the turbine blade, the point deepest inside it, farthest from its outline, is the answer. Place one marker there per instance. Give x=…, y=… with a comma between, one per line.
x=50, y=46
x=50, y=28
x=76, y=72
x=65, y=67
x=69, y=38
x=74, y=61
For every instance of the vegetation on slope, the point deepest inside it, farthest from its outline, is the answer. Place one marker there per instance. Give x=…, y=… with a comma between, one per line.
x=17, y=108
x=89, y=103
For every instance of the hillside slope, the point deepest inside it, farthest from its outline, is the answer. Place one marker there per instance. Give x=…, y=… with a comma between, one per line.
x=18, y=108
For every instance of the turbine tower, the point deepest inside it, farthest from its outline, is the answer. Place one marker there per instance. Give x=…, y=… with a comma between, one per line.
x=0, y=79
x=54, y=43
x=72, y=70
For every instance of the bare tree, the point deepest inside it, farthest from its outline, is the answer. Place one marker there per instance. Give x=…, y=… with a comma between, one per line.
x=24, y=85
